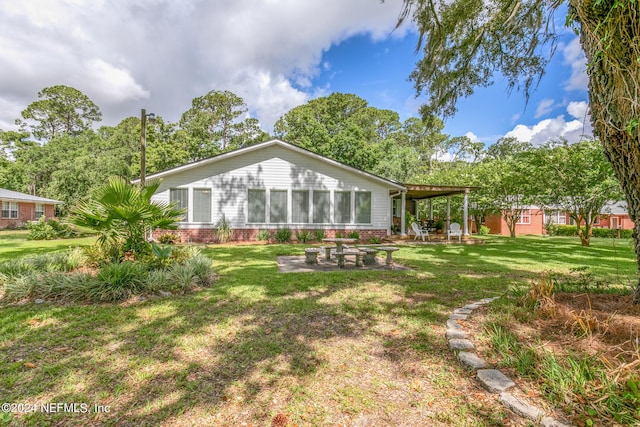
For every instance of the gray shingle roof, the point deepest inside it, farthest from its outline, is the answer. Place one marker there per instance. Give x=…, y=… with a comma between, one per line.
x=15, y=196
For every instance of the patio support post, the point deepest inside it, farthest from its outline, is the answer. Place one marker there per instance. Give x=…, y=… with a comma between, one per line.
x=403, y=226
x=448, y=212
x=431, y=209
x=466, y=213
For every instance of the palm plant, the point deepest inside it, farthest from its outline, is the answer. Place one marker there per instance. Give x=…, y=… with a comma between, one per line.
x=121, y=212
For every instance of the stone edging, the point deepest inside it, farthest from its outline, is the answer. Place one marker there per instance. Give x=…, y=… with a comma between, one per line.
x=493, y=380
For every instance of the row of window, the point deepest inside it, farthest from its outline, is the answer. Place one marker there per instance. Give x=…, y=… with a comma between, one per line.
x=555, y=217
x=10, y=210
x=273, y=206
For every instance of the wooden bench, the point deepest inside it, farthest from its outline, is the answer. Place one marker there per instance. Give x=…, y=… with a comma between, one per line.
x=311, y=255
x=340, y=256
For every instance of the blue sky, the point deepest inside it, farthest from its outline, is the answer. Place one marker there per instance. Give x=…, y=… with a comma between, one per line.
x=160, y=54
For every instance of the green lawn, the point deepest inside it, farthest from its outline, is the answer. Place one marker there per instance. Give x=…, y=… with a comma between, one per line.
x=323, y=348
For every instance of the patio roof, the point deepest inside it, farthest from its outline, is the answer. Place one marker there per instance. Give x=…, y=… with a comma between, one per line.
x=420, y=191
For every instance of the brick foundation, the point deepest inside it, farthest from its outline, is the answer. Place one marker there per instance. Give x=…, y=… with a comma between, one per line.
x=209, y=235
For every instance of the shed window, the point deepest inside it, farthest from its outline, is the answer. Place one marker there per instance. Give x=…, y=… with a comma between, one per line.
x=342, y=205
x=321, y=205
x=363, y=207
x=278, y=208
x=181, y=197
x=257, y=205
x=300, y=206
x=202, y=205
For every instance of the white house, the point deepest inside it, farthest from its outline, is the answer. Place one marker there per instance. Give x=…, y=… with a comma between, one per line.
x=274, y=185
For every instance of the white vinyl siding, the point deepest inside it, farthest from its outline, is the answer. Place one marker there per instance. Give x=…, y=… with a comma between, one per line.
x=257, y=202
x=9, y=210
x=363, y=207
x=181, y=197
x=278, y=206
x=342, y=207
x=300, y=206
x=202, y=205
x=321, y=207
x=39, y=210
x=236, y=181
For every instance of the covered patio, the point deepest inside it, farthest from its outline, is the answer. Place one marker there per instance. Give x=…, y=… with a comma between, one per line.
x=418, y=192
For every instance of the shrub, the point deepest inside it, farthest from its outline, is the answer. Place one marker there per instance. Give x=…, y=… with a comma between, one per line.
x=169, y=238
x=283, y=235
x=339, y=234
x=223, y=230
x=40, y=230
x=264, y=235
x=484, y=230
x=319, y=234
x=354, y=235
x=117, y=281
x=303, y=236
x=611, y=233
x=375, y=240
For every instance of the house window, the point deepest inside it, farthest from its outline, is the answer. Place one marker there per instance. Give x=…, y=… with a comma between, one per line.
x=321, y=207
x=363, y=207
x=181, y=198
x=278, y=208
x=597, y=220
x=614, y=222
x=39, y=210
x=525, y=217
x=396, y=207
x=202, y=205
x=342, y=206
x=557, y=217
x=300, y=206
x=257, y=205
x=9, y=210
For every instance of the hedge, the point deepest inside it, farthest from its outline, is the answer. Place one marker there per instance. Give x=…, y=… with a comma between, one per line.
x=571, y=230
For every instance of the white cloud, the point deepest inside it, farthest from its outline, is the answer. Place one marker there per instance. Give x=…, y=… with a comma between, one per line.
x=550, y=129
x=160, y=54
x=574, y=57
x=544, y=107
x=472, y=136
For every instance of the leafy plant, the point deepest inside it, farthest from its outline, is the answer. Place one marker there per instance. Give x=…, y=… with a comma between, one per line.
x=319, y=233
x=484, y=230
x=374, y=240
x=223, y=230
x=121, y=212
x=169, y=238
x=283, y=235
x=354, y=235
x=303, y=236
x=264, y=235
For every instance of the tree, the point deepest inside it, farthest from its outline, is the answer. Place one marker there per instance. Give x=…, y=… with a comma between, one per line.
x=465, y=43
x=61, y=110
x=578, y=179
x=214, y=126
x=122, y=212
x=342, y=127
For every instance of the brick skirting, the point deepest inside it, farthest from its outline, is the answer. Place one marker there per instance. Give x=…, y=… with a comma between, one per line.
x=209, y=235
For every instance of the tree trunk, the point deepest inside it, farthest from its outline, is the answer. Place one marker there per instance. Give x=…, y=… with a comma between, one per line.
x=609, y=34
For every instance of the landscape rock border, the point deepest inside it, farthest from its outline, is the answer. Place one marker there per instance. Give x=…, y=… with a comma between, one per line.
x=492, y=380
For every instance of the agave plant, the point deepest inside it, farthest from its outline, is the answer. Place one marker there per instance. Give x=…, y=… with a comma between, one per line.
x=121, y=213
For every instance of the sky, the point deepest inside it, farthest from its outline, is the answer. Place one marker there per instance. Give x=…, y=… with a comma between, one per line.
x=126, y=55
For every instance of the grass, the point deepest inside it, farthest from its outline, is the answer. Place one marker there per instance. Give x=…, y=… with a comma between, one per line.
x=323, y=348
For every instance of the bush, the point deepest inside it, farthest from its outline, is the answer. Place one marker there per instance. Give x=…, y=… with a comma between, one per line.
x=44, y=229
x=611, y=233
x=303, y=236
x=223, y=230
x=354, y=235
x=169, y=238
x=283, y=235
x=264, y=235
x=484, y=230
x=117, y=281
x=319, y=233
x=375, y=240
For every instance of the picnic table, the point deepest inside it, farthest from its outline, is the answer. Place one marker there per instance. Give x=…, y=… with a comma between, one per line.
x=339, y=241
